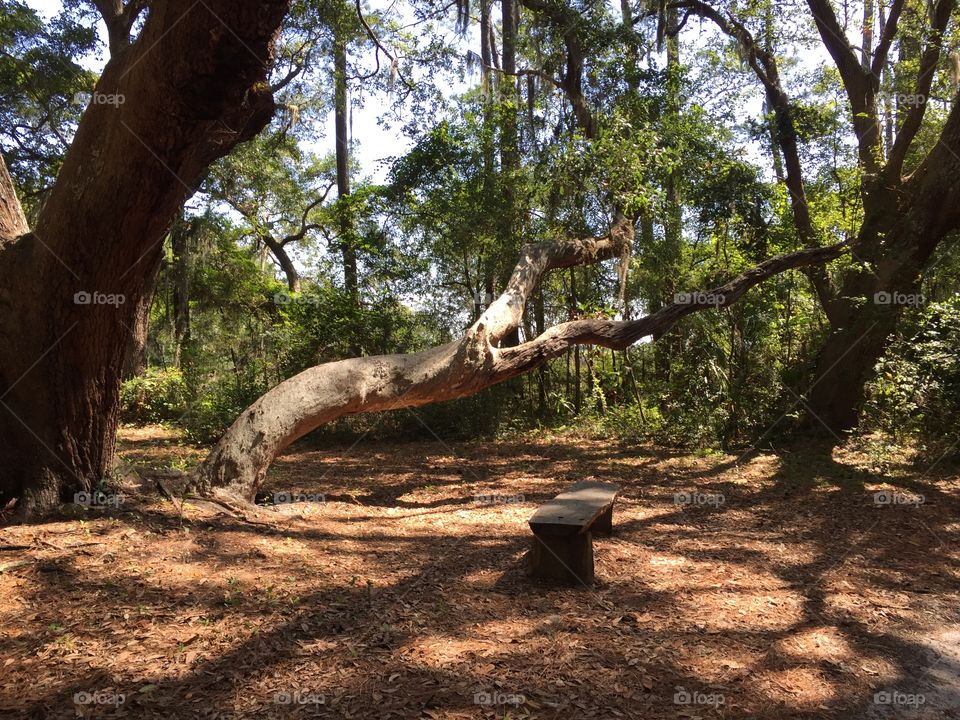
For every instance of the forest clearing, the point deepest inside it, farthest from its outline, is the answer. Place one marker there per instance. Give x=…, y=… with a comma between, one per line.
x=557, y=359
x=399, y=591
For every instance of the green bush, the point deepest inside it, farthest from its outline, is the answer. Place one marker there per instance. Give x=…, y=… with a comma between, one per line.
x=156, y=396
x=216, y=405
x=915, y=393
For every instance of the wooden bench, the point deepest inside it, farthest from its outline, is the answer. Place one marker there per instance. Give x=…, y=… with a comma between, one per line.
x=563, y=531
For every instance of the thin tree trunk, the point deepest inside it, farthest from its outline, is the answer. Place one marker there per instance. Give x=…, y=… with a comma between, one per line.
x=341, y=112
x=767, y=106
x=509, y=150
x=577, y=398
x=180, y=242
x=540, y=326
x=673, y=225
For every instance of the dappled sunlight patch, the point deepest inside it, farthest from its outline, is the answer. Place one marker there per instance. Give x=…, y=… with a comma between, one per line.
x=755, y=467
x=405, y=585
x=440, y=651
x=812, y=644
x=742, y=613
x=798, y=688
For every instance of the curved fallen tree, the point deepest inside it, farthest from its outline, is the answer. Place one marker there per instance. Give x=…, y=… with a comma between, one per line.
x=238, y=463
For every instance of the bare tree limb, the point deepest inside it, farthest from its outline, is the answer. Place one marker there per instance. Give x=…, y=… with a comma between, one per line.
x=239, y=461
x=886, y=39
x=619, y=335
x=394, y=63
x=306, y=227
x=119, y=19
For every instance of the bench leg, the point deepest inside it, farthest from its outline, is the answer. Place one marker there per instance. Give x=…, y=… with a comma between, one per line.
x=567, y=558
x=603, y=525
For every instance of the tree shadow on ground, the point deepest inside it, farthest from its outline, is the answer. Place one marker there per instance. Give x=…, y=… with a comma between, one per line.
x=798, y=580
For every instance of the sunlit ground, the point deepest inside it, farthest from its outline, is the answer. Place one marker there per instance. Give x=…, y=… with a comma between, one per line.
x=782, y=590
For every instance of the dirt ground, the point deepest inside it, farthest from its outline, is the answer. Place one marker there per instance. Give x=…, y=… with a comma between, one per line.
x=781, y=589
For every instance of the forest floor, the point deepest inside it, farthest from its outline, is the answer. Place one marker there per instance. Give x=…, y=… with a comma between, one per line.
x=783, y=591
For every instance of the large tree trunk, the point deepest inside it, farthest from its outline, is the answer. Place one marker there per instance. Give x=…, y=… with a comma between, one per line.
x=899, y=234
x=192, y=86
x=238, y=463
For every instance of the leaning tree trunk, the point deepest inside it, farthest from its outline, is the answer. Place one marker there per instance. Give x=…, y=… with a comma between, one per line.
x=238, y=463
x=279, y=251
x=182, y=95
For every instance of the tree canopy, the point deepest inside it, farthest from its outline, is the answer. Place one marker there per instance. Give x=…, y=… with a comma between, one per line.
x=810, y=146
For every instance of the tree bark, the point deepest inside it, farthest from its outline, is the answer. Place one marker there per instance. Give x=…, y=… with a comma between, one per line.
x=180, y=242
x=895, y=245
x=135, y=360
x=290, y=271
x=13, y=223
x=239, y=462
x=348, y=248
x=187, y=90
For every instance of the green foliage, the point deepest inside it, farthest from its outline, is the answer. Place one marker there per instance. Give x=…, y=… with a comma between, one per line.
x=674, y=143
x=154, y=397
x=215, y=405
x=915, y=396
x=43, y=91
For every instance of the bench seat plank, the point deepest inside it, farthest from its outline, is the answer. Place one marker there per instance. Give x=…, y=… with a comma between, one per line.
x=576, y=510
